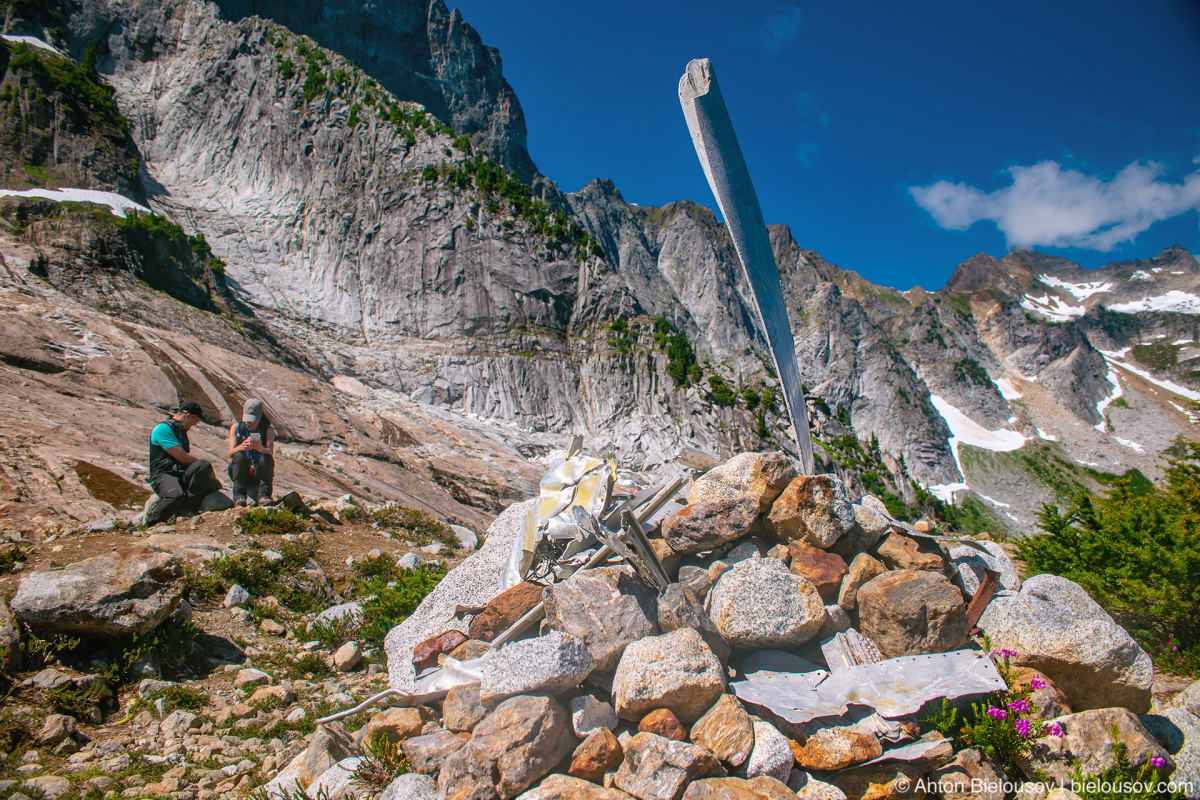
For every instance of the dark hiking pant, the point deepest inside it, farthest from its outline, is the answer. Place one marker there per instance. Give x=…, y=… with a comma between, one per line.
x=257, y=482
x=182, y=492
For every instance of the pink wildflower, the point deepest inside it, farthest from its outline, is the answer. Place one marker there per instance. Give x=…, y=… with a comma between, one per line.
x=1054, y=729
x=997, y=713
x=1019, y=706
x=1158, y=762
x=1023, y=728
x=1037, y=683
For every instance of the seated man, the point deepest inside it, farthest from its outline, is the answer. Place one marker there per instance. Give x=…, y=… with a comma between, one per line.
x=252, y=455
x=179, y=479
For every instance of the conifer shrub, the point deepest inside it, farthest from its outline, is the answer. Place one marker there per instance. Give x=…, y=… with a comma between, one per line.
x=1137, y=553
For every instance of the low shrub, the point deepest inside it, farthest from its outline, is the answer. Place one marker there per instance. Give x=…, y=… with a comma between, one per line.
x=1137, y=554
x=273, y=522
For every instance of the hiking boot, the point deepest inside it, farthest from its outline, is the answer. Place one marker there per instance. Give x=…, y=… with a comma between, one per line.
x=264, y=495
x=239, y=494
x=151, y=514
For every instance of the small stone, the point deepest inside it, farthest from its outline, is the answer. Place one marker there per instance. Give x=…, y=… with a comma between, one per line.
x=250, y=678
x=236, y=596
x=902, y=552
x=970, y=561
x=813, y=508
x=280, y=694
x=660, y=769
x=550, y=664
x=677, y=671
x=679, y=608
x=347, y=657
x=605, y=608
x=599, y=753
x=824, y=570
x=179, y=722
x=462, y=709
x=873, y=523
x=709, y=524
x=396, y=724
x=663, y=723
x=696, y=579
x=836, y=748
x=505, y=609
x=426, y=653
x=763, y=475
x=411, y=786
x=726, y=731
x=912, y=612
x=56, y=728
x=807, y=787
x=760, y=788
x=589, y=714
x=327, y=746
x=272, y=628
x=862, y=569
x=427, y=753
x=771, y=755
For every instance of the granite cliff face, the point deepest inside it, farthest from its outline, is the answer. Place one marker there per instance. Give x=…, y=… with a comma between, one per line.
x=343, y=161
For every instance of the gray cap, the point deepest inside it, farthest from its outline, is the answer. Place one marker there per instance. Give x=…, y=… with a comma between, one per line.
x=252, y=411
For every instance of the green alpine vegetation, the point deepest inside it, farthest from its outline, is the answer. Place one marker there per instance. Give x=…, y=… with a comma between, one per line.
x=1137, y=552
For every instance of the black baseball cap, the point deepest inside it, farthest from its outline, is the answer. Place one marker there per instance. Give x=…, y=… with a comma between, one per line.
x=190, y=407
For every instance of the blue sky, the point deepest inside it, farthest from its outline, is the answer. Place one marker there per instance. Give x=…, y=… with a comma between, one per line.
x=896, y=140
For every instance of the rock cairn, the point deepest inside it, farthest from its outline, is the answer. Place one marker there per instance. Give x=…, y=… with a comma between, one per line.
x=622, y=691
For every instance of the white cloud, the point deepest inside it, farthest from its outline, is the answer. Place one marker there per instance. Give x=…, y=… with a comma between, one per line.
x=1049, y=205
x=780, y=27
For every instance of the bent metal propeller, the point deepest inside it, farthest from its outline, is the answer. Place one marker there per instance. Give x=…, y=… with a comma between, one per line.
x=717, y=145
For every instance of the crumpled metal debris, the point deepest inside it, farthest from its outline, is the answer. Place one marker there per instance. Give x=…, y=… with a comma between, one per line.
x=551, y=534
x=893, y=687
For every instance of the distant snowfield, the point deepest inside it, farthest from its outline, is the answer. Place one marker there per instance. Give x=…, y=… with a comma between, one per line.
x=118, y=204
x=1174, y=300
x=1007, y=390
x=1080, y=291
x=965, y=430
x=32, y=41
x=1052, y=307
x=1115, y=358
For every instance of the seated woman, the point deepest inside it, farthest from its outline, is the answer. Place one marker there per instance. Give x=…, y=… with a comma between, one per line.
x=252, y=455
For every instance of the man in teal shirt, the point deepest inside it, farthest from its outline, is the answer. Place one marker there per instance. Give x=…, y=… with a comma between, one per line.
x=180, y=480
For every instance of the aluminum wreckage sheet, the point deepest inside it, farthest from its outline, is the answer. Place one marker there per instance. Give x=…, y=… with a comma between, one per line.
x=717, y=146
x=894, y=687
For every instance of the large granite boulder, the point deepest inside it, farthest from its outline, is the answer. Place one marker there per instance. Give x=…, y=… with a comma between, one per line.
x=814, y=509
x=764, y=475
x=1088, y=743
x=910, y=612
x=709, y=524
x=130, y=591
x=1055, y=627
x=566, y=787
x=676, y=671
x=760, y=604
x=1178, y=731
x=605, y=608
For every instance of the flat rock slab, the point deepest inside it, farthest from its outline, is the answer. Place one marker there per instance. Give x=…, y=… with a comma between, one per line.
x=550, y=664
x=474, y=582
x=127, y=592
x=1055, y=627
